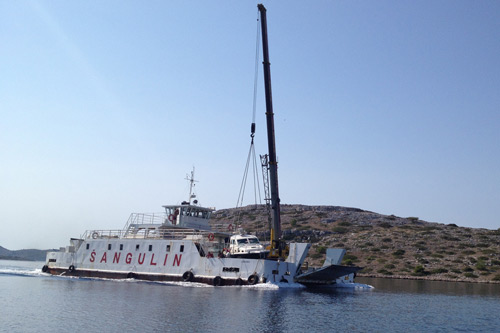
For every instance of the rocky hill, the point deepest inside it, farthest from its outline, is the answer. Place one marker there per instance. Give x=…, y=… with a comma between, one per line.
x=385, y=245
x=28, y=255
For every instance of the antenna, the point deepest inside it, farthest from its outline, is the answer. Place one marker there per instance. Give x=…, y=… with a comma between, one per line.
x=192, y=182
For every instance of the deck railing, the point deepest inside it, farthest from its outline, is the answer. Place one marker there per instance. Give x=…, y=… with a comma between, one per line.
x=142, y=218
x=153, y=226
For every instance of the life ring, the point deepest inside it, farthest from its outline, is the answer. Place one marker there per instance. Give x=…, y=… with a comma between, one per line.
x=131, y=275
x=187, y=276
x=253, y=279
x=171, y=217
x=211, y=236
x=95, y=234
x=71, y=268
x=45, y=268
x=230, y=227
x=217, y=281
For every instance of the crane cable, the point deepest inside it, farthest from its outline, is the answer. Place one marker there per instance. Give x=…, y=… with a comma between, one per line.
x=251, y=152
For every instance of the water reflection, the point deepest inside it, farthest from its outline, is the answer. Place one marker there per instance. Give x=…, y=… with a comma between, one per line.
x=118, y=306
x=432, y=287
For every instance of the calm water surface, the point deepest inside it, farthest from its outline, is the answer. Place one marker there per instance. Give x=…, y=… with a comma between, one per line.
x=34, y=302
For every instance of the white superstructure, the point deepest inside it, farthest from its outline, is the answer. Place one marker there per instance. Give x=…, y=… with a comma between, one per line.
x=167, y=247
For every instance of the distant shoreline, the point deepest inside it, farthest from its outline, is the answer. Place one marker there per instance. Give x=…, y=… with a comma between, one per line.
x=17, y=258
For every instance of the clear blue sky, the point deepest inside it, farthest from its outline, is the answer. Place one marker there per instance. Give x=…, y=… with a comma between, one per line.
x=388, y=106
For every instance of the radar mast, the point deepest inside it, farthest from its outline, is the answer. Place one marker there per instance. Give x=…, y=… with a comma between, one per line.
x=192, y=182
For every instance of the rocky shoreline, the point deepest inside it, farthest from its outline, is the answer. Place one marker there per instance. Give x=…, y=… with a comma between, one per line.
x=427, y=278
x=387, y=246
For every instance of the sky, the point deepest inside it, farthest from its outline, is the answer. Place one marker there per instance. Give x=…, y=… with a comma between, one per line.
x=387, y=106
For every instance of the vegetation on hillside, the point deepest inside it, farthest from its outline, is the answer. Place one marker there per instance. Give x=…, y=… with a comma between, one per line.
x=385, y=245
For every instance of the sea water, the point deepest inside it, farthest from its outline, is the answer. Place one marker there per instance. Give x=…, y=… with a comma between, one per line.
x=32, y=301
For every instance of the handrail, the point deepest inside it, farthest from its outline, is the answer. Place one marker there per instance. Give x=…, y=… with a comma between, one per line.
x=153, y=226
x=150, y=233
x=145, y=218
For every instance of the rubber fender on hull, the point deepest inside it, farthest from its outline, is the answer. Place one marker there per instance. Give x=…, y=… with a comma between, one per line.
x=71, y=268
x=218, y=281
x=253, y=279
x=238, y=282
x=45, y=268
x=131, y=275
x=188, y=276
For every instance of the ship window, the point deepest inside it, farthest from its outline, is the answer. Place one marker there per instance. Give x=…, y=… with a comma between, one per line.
x=168, y=248
x=109, y=246
x=88, y=246
x=200, y=249
x=150, y=247
x=121, y=247
x=137, y=247
x=182, y=248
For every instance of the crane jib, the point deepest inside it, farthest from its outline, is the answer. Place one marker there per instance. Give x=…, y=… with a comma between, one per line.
x=273, y=167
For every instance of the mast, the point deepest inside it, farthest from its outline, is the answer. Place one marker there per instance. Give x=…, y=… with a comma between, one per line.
x=191, y=185
x=273, y=165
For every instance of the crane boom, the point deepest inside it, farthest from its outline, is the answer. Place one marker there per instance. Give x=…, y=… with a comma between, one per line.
x=273, y=165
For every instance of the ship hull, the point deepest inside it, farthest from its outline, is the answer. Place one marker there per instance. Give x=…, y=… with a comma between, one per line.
x=96, y=274
x=168, y=260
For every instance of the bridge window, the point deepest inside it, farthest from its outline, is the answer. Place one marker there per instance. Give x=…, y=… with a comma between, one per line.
x=88, y=246
x=121, y=247
x=109, y=247
x=137, y=247
x=150, y=247
x=168, y=248
x=182, y=248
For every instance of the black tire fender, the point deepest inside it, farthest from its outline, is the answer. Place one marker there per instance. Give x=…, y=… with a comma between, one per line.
x=253, y=279
x=188, y=276
x=218, y=281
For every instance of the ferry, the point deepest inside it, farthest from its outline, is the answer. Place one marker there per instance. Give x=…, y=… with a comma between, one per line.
x=180, y=244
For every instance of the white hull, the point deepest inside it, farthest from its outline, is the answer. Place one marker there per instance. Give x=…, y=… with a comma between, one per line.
x=169, y=260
